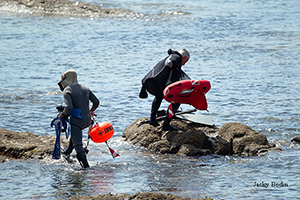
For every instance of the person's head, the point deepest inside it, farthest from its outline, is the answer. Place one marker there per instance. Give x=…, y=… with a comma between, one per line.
x=184, y=55
x=68, y=78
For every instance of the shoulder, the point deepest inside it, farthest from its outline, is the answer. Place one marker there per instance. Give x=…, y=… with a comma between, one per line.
x=173, y=59
x=169, y=62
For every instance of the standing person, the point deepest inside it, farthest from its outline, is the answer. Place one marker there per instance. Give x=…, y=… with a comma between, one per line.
x=77, y=97
x=165, y=72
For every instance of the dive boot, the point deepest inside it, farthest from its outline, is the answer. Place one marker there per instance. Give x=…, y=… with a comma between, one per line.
x=81, y=157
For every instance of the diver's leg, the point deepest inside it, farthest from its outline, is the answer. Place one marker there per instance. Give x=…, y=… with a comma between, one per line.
x=70, y=148
x=153, y=89
x=68, y=151
x=166, y=125
x=155, y=106
x=76, y=137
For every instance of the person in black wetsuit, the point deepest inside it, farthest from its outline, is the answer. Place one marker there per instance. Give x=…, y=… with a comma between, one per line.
x=77, y=96
x=165, y=72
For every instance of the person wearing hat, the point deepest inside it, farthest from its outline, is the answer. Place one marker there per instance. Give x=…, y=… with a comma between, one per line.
x=165, y=72
x=77, y=96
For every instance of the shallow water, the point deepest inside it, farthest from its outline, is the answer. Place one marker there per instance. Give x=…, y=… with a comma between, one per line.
x=248, y=50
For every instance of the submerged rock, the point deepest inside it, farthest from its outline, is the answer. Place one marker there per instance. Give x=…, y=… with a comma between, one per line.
x=296, y=139
x=196, y=139
x=26, y=145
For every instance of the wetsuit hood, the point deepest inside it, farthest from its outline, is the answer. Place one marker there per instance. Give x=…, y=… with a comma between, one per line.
x=68, y=78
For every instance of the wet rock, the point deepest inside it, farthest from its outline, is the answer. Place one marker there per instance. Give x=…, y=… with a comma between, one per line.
x=245, y=141
x=2, y=159
x=191, y=139
x=195, y=139
x=142, y=195
x=60, y=8
x=26, y=145
x=296, y=139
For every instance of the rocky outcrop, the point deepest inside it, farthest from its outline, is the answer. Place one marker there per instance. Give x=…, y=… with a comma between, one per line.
x=60, y=8
x=26, y=145
x=245, y=141
x=191, y=140
x=195, y=139
x=141, y=195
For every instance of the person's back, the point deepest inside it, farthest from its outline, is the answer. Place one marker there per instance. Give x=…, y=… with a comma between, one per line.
x=80, y=96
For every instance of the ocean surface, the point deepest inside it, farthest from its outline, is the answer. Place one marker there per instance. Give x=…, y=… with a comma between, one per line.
x=249, y=50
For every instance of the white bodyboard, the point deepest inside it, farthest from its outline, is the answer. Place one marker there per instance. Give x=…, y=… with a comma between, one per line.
x=201, y=119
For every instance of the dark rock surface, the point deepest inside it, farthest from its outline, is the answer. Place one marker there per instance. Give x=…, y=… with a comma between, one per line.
x=296, y=139
x=195, y=139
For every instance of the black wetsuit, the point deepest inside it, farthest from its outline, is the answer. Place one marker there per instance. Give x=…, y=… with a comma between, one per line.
x=78, y=96
x=165, y=72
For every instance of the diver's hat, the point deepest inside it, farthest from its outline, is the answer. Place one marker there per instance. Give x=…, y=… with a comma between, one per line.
x=67, y=78
x=185, y=55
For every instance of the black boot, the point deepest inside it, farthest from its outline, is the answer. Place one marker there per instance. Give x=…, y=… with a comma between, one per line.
x=81, y=157
x=167, y=127
x=153, y=120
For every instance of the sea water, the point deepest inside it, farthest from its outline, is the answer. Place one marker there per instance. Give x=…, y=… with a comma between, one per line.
x=248, y=50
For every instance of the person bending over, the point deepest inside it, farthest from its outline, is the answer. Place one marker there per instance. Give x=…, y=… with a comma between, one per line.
x=165, y=72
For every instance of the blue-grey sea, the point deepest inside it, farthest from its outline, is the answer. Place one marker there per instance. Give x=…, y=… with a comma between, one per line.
x=248, y=49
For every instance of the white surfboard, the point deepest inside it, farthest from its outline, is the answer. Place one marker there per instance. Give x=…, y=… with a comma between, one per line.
x=201, y=119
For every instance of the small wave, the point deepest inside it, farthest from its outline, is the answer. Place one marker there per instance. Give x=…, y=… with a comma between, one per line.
x=270, y=130
x=11, y=96
x=167, y=12
x=53, y=93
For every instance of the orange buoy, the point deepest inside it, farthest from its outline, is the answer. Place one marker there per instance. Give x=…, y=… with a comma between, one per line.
x=101, y=132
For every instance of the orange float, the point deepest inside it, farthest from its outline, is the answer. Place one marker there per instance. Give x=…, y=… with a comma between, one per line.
x=101, y=132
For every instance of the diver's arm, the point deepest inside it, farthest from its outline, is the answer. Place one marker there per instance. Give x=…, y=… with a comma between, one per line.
x=94, y=100
x=68, y=105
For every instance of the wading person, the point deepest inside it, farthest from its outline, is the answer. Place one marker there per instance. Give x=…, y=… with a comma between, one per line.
x=76, y=97
x=165, y=72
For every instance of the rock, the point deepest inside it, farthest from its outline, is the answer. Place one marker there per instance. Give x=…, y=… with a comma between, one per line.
x=60, y=8
x=245, y=141
x=2, y=159
x=296, y=139
x=195, y=139
x=191, y=139
x=141, y=195
x=26, y=145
